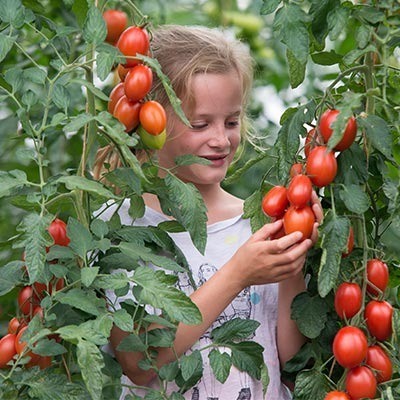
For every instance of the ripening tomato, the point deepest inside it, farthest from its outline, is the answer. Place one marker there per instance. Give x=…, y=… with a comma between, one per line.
x=275, y=201
x=321, y=166
x=152, y=117
x=350, y=243
x=378, y=317
x=20, y=346
x=296, y=169
x=379, y=361
x=122, y=72
x=133, y=41
x=116, y=22
x=377, y=276
x=299, y=191
x=311, y=141
x=26, y=300
x=115, y=94
x=138, y=82
x=336, y=395
x=348, y=300
x=7, y=349
x=361, y=383
x=325, y=127
x=58, y=231
x=299, y=219
x=350, y=346
x=13, y=325
x=127, y=112
x=151, y=141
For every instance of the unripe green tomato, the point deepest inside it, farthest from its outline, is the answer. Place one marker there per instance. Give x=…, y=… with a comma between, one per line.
x=155, y=142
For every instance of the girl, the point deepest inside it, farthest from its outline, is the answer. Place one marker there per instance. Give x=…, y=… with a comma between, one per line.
x=241, y=274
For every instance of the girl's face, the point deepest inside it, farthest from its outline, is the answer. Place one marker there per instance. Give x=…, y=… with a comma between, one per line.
x=215, y=129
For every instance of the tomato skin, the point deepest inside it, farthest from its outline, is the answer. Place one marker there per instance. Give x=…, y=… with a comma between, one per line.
x=127, y=112
x=299, y=191
x=115, y=94
x=13, y=325
x=58, y=231
x=153, y=117
x=350, y=346
x=133, y=41
x=138, y=82
x=325, y=128
x=7, y=349
x=377, y=275
x=348, y=300
x=116, y=22
x=361, y=383
x=296, y=169
x=275, y=201
x=378, y=316
x=26, y=300
x=151, y=141
x=321, y=166
x=336, y=395
x=299, y=219
x=350, y=243
x=378, y=360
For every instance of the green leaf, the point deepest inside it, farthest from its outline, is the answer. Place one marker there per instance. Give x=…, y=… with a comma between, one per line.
x=6, y=44
x=78, y=122
x=188, y=209
x=220, y=364
x=81, y=238
x=113, y=281
x=337, y=21
x=234, y=329
x=311, y=384
x=319, y=11
x=61, y=96
x=334, y=234
x=88, y=275
x=353, y=55
x=46, y=347
x=94, y=28
x=10, y=275
x=363, y=36
x=86, y=301
x=253, y=210
x=125, y=179
x=36, y=75
x=191, y=365
x=11, y=180
x=297, y=69
x=13, y=12
x=355, y=199
x=160, y=295
x=326, y=58
x=91, y=363
x=93, y=89
x=105, y=60
x=14, y=77
x=188, y=159
x=269, y=6
x=310, y=314
x=378, y=133
x=160, y=337
x=168, y=372
x=248, y=357
x=131, y=342
x=123, y=320
x=352, y=166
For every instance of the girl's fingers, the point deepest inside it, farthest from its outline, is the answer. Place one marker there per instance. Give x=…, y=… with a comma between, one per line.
x=266, y=231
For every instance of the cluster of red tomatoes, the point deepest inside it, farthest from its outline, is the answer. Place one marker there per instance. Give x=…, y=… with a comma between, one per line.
x=29, y=300
x=360, y=350
x=292, y=203
x=128, y=101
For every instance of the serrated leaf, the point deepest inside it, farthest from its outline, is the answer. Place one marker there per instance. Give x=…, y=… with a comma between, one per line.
x=160, y=337
x=311, y=384
x=6, y=44
x=81, y=238
x=94, y=28
x=11, y=180
x=10, y=276
x=188, y=159
x=78, y=122
x=88, y=275
x=191, y=364
x=123, y=320
x=168, y=372
x=252, y=209
x=326, y=58
x=93, y=89
x=269, y=6
x=13, y=12
x=132, y=342
x=310, y=314
x=248, y=357
x=105, y=59
x=353, y=55
x=220, y=364
x=36, y=75
x=297, y=69
x=46, y=347
x=337, y=20
x=355, y=199
x=14, y=77
x=334, y=233
x=234, y=329
x=82, y=300
x=61, y=97
x=319, y=11
x=352, y=166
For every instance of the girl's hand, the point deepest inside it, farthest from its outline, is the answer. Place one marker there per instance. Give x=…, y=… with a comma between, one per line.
x=319, y=214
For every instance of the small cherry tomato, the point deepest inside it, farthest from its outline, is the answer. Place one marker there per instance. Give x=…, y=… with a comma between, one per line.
x=58, y=231
x=379, y=361
x=325, y=127
x=299, y=219
x=296, y=169
x=116, y=22
x=336, y=395
x=13, y=325
x=133, y=41
x=350, y=243
x=152, y=117
x=348, y=300
x=378, y=317
x=299, y=191
x=115, y=94
x=377, y=276
x=127, y=112
x=138, y=82
x=275, y=201
x=321, y=166
x=350, y=346
x=7, y=349
x=361, y=383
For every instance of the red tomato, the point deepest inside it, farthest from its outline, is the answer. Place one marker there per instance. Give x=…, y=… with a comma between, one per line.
x=325, y=127
x=361, y=383
x=26, y=300
x=348, y=300
x=321, y=166
x=116, y=22
x=127, y=112
x=275, y=201
x=138, y=82
x=296, y=169
x=299, y=191
x=350, y=243
x=336, y=395
x=58, y=231
x=377, y=275
x=43, y=362
x=122, y=72
x=299, y=219
x=20, y=347
x=350, y=346
x=378, y=317
x=311, y=141
x=153, y=117
x=7, y=349
x=133, y=41
x=379, y=361
x=115, y=94
x=13, y=325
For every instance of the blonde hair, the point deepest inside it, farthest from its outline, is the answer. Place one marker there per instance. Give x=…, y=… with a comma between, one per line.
x=184, y=51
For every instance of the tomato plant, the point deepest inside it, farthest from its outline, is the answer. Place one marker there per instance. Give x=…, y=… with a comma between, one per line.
x=299, y=219
x=26, y=300
x=7, y=349
x=275, y=201
x=361, y=383
x=116, y=22
x=299, y=191
x=348, y=300
x=152, y=117
x=58, y=231
x=321, y=166
x=378, y=316
x=377, y=275
x=133, y=41
x=379, y=361
x=138, y=82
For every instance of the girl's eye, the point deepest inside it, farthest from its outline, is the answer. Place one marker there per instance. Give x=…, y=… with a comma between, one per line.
x=232, y=124
x=198, y=126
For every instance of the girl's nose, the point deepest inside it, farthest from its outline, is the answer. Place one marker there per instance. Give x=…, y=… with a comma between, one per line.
x=220, y=137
